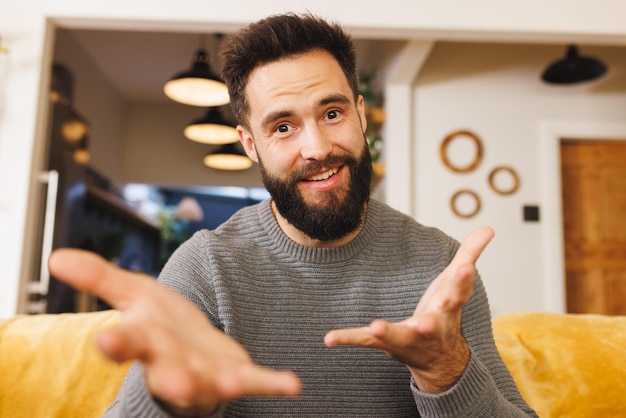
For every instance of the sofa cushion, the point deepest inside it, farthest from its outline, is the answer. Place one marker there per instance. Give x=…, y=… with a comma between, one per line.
x=50, y=367
x=566, y=365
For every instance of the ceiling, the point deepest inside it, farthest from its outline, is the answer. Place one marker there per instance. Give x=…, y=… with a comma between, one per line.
x=138, y=63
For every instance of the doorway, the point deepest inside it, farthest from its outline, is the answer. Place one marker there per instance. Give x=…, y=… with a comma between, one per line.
x=551, y=132
x=594, y=232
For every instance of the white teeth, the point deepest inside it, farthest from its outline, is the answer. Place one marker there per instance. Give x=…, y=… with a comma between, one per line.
x=325, y=175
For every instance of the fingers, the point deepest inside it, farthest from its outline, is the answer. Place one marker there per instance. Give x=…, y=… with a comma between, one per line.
x=396, y=334
x=184, y=379
x=120, y=344
x=252, y=380
x=87, y=271
x=472, y=247
x=184, y=392
x=349, y=336
x=184, y=387
x=454, y=286
x=186, y=361
x=461, y=270
x=380, y=334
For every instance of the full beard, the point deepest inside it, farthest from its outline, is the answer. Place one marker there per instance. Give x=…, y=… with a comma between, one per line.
x=339, y=212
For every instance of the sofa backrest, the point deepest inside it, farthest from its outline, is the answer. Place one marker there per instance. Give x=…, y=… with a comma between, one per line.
x=566, y=365
x=50, y=367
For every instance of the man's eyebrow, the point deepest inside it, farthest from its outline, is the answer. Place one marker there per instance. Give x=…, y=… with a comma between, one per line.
x=333, y=98
x=273, y=116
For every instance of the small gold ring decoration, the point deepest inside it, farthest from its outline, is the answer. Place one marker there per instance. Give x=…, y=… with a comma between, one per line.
x=503, y=169
x=443, y=151
x=468, y=214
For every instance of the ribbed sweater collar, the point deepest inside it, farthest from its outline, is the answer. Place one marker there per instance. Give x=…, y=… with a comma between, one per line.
x=305, y=254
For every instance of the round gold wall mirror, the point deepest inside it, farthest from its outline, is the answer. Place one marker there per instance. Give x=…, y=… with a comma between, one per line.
x=465, y=203
x=504, y=180
x=444, y=151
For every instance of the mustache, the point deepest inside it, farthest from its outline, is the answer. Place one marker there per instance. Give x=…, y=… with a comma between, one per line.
x=312, y=167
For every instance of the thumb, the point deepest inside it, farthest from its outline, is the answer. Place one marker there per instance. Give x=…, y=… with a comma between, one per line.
x=120, y=345
x=473, y=245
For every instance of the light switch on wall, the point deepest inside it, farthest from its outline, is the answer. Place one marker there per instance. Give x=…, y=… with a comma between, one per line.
x=531, y=213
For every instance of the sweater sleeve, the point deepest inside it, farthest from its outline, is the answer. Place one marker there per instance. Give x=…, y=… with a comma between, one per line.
x=474, y=395
x=134, y=400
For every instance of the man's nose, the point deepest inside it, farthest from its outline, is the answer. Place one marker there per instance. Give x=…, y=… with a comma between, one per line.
x=316, y=143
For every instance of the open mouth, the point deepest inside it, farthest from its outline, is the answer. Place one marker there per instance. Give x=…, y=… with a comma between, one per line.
x=323, y=176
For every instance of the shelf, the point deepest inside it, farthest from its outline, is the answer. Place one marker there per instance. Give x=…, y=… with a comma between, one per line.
x=119, y=207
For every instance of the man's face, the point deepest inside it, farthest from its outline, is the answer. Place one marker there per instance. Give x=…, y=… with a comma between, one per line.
x=307, y=135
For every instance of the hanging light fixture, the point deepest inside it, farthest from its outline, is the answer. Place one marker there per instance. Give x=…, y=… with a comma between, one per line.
x=211, y=128
x=74, y=127
x=80, y=152
x=61, y=85
x=573, y=68
x=198, y=86
x=227, y=157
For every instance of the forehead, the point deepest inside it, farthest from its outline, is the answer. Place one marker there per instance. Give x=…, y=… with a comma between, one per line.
x=297, y=76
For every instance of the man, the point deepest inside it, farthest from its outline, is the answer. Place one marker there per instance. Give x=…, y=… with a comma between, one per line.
x=290, y=285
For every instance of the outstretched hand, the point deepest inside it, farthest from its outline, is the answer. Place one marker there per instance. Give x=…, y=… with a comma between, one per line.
x=430, y=342
x=189, y=365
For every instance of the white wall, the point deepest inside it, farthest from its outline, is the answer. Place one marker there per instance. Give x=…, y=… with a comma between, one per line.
x=495, y=91
x=25, y=27
x=156, y=151
x=98, y=102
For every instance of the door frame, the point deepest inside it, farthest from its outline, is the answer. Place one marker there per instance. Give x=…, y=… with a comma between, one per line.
x=551, y=133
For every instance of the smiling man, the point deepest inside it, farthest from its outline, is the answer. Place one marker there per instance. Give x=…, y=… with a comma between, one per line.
x=308, y=138
x=318, y=301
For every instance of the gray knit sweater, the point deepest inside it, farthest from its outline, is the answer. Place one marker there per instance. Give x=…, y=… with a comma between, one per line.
x=279, y=298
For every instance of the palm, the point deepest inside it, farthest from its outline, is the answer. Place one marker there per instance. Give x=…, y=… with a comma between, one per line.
x=431, y=339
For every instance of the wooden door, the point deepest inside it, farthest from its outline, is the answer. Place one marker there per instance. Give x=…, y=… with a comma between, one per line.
x=594, y=216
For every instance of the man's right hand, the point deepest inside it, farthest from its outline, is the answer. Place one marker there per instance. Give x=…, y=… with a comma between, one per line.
x=189, y=365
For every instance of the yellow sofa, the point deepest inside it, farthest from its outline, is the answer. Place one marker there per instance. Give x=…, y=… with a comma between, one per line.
x=50, y=368
x=565, y=365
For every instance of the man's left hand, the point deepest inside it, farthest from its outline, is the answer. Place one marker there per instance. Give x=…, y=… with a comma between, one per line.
x=430, y=342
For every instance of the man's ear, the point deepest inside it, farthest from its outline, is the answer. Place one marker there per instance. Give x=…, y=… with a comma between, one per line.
x=248, y=143
x=360, y=107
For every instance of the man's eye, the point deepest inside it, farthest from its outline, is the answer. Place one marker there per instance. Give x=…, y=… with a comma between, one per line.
x=282, y=128
x=332, y=114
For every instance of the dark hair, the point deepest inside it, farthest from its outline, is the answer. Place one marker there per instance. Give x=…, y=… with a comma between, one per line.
x=277, y=37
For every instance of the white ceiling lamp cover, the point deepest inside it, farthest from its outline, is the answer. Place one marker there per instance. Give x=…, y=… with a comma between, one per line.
x=212, y=128
x=198, y=86
x=227, y=157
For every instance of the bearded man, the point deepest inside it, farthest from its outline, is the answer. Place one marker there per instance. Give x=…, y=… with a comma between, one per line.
x=318, y=301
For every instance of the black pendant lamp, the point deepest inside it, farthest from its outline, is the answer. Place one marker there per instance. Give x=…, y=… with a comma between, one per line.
x=80, y=151
x=82, y=155
x=74, y=127
x=227, y=157
x=198, y=86
x=211, y=128
x=574, y=68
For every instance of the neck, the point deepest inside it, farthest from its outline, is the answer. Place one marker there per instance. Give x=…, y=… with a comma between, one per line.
x=301, y=238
